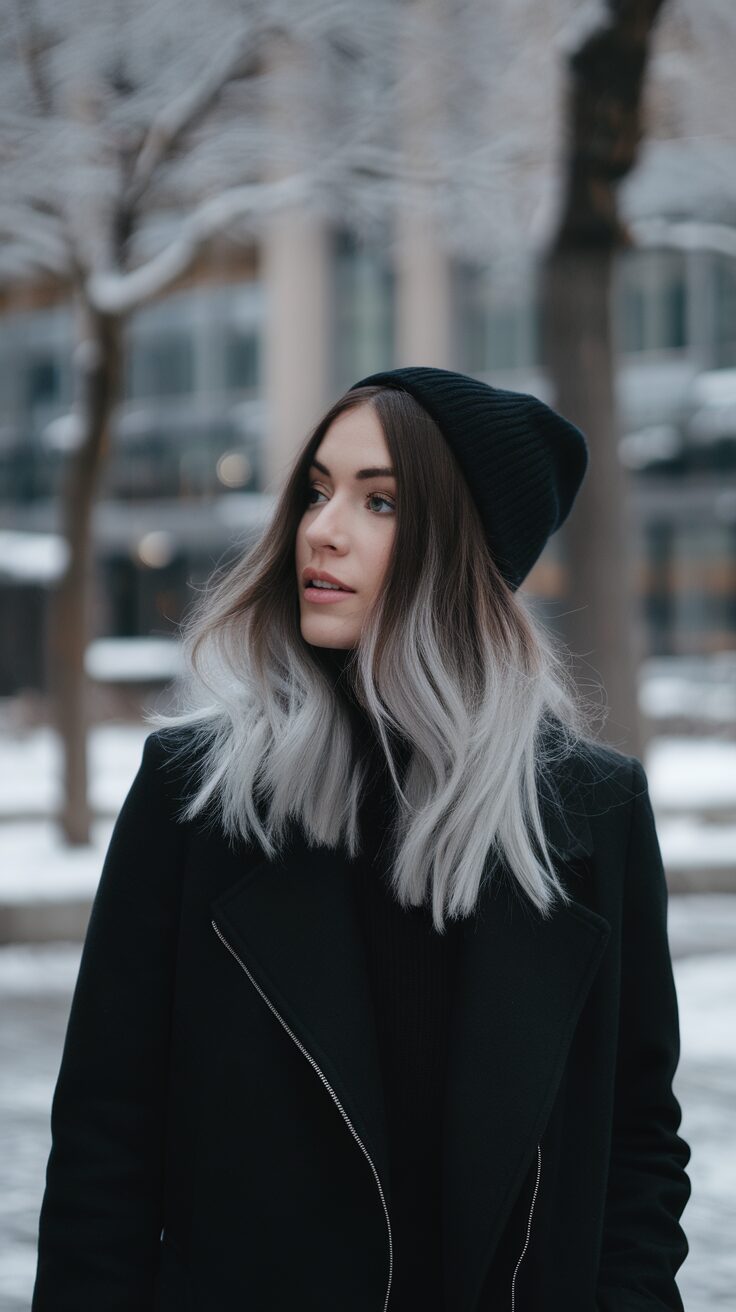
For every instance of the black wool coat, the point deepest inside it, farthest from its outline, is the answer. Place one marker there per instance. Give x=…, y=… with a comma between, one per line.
x=218, y=1129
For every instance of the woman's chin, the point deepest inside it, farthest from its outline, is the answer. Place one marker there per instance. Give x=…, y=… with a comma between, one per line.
x=320, y=635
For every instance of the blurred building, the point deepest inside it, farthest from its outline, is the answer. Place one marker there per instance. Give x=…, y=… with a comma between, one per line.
x=187, y=482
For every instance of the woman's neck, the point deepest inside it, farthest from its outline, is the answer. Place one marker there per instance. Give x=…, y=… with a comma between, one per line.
x=366, y=736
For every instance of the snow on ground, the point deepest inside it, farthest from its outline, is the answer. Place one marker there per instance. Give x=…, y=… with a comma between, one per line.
x=676, y=685
x=667, y=696
x=685, y=775
x=692, y=773
x=35, y=993
x=701, y=922
x=34, y=968
x=707, y=992
x=133, y=660
x=32, y=557
x=705, y=1085
x=35, y=867
x=30, y=768
x=696, y=845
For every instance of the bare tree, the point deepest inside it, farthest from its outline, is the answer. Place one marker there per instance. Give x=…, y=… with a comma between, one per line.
x=132, y=133
x=683, y=191
x=604, y=130
x=609, y=117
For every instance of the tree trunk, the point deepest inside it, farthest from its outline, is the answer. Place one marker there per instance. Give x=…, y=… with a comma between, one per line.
x=98, y=385
x=600, y=619
x=604, y=131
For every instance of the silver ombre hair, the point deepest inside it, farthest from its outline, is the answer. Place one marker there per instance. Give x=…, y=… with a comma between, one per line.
x=450, y=662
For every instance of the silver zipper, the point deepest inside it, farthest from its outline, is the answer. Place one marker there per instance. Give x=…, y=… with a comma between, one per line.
x=528, y=1225
x=332, y=1094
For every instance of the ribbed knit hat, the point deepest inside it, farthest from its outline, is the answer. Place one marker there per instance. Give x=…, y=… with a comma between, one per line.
x=523, y=462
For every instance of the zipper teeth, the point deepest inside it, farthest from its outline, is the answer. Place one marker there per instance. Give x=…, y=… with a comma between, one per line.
x=528, y=1225
x=332, y=1094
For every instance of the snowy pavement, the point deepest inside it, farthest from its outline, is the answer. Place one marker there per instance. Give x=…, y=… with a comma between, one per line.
x=35, y=992
x=705, y=1085
x=693, y=789
x=692, y=784
x=30, y=768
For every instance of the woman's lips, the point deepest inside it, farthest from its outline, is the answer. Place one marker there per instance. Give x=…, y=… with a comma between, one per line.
x=322, y=595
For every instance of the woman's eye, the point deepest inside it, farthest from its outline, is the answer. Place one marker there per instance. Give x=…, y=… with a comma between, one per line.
x=372, y=496
x=378, y=496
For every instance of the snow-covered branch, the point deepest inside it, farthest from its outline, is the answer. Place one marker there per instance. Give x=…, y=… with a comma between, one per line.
x=716, y=237
x=32, y=46
x=118, y=293
x=219, y=114
x=237, y=59
x=42, y=236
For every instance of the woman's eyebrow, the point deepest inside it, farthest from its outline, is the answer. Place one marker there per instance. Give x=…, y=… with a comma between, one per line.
x=378, y=471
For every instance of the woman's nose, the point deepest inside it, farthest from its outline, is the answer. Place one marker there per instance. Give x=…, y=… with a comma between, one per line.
x=327, y=527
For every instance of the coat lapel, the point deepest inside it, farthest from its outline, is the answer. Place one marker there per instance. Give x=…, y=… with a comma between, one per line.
x=294, y=924
x=521, y=984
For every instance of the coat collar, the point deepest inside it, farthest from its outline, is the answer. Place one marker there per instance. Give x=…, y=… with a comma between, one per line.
x=520, y=986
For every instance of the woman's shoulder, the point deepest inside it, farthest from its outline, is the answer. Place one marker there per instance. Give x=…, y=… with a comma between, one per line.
x=165, y=745
x=171, y=758
x=601, y=775
x=607, y=779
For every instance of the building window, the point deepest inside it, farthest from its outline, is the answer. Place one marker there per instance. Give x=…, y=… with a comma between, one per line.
x=363, y=310
x=658, y=599
x=724, y=272
x=242, y=359
x=702, y=580
x=496, y=319
x=650, y=301
x=160, y=365
x=44, y=382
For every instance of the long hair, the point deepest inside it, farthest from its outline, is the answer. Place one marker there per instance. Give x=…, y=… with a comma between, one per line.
x=451, y=665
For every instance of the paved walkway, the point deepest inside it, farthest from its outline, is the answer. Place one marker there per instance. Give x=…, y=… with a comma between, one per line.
x=35, y=991
x=706, y=1088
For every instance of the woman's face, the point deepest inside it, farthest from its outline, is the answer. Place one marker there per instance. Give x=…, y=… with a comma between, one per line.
x=348, y=528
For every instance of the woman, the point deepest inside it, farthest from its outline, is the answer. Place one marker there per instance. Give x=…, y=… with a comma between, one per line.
x=376, y=1008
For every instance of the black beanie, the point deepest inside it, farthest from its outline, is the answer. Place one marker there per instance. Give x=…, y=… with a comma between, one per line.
x=522, y=461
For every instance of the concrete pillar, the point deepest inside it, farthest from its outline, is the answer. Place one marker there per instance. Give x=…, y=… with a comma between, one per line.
x=295, y=264
x=424, y=313
x=424, y=309
x=296, y=279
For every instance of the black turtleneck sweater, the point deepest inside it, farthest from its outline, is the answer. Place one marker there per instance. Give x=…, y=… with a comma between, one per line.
x=410, y=969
